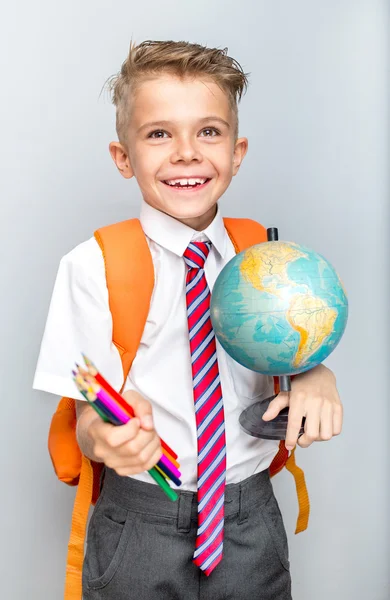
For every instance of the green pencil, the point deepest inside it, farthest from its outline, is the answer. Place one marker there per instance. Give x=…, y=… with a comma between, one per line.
x=164, y=485
x=154, y=473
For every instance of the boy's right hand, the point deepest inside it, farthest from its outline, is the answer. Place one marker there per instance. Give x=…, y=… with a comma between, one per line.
x=128, y=449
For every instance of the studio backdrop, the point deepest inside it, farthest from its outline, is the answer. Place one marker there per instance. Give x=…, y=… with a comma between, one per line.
x=316, y=115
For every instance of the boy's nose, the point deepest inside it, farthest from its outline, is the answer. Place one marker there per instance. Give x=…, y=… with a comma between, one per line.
x=186, y=151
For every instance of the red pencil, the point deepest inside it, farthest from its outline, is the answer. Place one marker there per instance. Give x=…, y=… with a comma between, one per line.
x=100, y=379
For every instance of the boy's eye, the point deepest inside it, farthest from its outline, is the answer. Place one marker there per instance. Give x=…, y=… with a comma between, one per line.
x=210, y=132
x=158, y=135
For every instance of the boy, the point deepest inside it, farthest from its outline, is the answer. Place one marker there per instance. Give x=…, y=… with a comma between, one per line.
x=177, y=124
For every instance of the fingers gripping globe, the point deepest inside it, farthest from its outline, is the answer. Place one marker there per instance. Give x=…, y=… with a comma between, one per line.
x=280, y=309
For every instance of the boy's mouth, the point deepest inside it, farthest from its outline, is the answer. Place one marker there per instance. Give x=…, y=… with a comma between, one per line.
x=193, y=183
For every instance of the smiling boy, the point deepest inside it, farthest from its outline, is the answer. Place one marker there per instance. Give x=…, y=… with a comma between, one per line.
x=177, y=126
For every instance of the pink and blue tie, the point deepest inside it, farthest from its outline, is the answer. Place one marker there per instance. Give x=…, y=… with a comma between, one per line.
x=209, y=414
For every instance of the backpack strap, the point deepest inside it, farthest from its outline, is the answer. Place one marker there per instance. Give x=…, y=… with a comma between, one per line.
x=244, y=233
x=75, y=557
x=130, y=284
x=302, y=494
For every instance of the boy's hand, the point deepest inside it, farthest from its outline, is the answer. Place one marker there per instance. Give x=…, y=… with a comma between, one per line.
x=128, y=449
x=314, y=396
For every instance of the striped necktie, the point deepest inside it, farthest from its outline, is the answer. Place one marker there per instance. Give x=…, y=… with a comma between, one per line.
x=209, y=412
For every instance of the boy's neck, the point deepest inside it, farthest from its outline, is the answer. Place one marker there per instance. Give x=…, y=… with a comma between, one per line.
x=198, y=223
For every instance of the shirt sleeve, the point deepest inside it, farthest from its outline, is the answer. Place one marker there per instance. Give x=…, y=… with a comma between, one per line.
x=79, y=320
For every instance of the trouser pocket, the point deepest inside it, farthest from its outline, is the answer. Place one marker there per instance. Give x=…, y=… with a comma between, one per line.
x=274, y=522
x=109, y=534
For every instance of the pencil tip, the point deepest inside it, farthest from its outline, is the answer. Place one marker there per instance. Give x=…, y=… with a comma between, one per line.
x=86, y=360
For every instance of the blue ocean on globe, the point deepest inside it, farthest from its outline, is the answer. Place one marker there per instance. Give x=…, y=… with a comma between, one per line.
x=279, y=308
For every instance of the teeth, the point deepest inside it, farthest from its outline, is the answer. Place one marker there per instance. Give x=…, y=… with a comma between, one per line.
x=185, y=182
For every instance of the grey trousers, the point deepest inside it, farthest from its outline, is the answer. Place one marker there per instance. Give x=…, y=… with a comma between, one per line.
x=140, y=545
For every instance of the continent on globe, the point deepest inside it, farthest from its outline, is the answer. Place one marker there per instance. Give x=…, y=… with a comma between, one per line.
x=265, y=267
x=304, y=309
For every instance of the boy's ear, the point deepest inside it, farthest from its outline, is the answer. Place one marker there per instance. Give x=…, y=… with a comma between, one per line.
x=121, y=159
x=240, y=149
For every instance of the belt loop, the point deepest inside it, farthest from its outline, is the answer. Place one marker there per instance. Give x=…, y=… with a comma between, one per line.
x=243, y=504
x=184, y=512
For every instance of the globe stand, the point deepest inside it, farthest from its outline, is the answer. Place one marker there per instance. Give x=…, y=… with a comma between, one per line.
x=251, y=419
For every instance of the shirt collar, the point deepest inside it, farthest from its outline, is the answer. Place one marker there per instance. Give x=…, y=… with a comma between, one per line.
x=175, y=236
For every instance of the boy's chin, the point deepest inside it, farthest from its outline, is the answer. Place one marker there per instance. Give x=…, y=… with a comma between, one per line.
x=184, y=210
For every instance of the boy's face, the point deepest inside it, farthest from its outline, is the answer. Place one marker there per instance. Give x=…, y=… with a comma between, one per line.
x=181, y=146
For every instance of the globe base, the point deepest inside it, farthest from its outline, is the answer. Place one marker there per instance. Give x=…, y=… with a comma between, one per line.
x=251, y=421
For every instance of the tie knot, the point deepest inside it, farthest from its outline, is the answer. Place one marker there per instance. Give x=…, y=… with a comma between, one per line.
x=196, y=253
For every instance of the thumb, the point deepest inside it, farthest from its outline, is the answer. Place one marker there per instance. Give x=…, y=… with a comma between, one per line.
x=142, y=409
x=276, y=405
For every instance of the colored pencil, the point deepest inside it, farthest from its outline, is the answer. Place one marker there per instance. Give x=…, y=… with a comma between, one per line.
x=155, y=472
x=100, y=379
x=93, y=404
x=107, y=405
x=169, y=465
x=98, y=405
x=164, y=485
x=167, y=459
x=110, y=416
x=123, y=415
x=111, y=405
x=107, y=401
x=128, y=409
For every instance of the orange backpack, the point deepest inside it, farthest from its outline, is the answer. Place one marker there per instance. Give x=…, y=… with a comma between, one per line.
x=130, y=282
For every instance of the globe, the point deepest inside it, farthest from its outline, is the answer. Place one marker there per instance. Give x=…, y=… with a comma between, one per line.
x=279, y=308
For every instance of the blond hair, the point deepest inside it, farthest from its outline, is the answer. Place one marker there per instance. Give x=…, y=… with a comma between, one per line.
x=182, y=59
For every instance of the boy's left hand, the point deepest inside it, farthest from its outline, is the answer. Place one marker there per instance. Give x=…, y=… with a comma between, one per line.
x=314, y=396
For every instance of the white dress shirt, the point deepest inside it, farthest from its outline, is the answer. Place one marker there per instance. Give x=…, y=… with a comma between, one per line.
x=79, y=320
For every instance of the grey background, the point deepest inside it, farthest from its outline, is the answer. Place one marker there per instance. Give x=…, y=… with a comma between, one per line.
x=317, y=119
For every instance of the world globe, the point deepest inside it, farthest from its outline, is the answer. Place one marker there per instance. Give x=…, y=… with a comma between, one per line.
x=279, y=308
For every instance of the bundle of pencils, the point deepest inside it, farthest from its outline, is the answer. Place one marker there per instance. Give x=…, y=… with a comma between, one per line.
x=114, y=409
